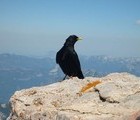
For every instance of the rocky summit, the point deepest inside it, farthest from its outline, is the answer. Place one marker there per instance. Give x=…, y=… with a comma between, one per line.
x=113, y=97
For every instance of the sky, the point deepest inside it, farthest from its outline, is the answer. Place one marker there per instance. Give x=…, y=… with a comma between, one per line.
x=35, y=27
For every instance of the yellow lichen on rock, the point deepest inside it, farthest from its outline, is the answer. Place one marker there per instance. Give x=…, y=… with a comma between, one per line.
x=90, y=85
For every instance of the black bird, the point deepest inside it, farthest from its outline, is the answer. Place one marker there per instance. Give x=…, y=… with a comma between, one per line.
x=68, y=60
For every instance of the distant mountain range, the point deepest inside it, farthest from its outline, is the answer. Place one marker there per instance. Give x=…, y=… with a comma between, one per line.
x=19, y=72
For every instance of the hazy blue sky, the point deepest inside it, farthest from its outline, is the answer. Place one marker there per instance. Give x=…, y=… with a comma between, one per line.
x=34, y=27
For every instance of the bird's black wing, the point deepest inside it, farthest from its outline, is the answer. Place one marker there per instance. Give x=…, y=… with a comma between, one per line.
x=73, y=64
x=61, y=59
x=58, y=56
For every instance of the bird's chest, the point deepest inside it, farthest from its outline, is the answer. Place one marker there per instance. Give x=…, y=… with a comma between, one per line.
x=71, y=51
x=69, y=54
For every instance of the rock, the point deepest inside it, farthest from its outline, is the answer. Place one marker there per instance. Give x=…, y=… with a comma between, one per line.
x=2, y=116
x=115, y=97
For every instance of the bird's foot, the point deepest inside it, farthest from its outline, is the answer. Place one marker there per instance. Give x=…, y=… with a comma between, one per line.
x=71, y=77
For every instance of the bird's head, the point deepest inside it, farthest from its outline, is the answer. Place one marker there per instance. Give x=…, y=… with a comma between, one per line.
x=71, y=40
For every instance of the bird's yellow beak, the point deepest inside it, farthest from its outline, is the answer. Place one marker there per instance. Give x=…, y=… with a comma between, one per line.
x=79, y=38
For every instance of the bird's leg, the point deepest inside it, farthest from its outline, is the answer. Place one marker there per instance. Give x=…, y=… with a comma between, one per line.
x=71, y=77
x=65, y=77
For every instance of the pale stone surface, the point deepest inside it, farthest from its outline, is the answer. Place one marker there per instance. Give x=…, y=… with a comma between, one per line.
x=117, y=97
x=2, y=116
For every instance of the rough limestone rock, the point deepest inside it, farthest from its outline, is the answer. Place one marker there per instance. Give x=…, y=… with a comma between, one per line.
x=117, y=97
x=2, y=116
